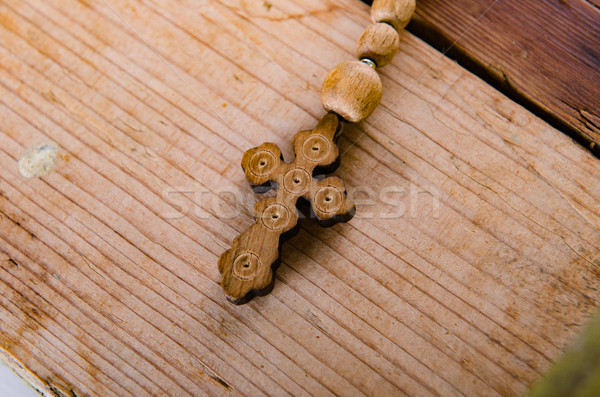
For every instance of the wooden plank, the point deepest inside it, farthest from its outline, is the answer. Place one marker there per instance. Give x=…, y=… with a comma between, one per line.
x=472, y=269
x=544, y=54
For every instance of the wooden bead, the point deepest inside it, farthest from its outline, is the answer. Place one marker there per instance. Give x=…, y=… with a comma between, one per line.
x=379, y=43
x=352, y=90
x=395, y=12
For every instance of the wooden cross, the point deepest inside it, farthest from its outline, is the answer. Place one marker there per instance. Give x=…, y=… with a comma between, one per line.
x=247, y=269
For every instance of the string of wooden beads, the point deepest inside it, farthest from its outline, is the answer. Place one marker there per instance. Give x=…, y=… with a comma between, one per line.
x=353, y=89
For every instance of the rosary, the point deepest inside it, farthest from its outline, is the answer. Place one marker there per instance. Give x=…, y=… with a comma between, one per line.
x=351, y=92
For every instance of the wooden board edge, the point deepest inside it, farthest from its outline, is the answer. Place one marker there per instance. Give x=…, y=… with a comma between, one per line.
x=495, y=77
x=34, y=381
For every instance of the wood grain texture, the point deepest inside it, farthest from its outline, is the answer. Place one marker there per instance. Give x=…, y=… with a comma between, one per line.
x=471, y=264
x=544, y=53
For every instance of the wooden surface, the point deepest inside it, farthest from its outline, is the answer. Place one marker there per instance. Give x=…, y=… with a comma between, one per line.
x=545, y=53
x=103, y=291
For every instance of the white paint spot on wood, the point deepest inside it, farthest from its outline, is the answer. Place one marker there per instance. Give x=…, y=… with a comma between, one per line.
x=39, y=161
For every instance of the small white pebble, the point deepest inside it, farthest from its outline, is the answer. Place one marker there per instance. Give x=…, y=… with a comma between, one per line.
x=39, y=161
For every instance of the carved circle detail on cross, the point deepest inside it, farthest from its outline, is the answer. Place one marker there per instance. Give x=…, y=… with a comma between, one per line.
x=247, y=267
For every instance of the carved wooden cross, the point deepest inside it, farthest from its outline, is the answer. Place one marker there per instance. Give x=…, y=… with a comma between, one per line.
x=247, y=269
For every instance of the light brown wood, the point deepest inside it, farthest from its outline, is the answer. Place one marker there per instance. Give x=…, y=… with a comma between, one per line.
x=353, y=90
x=108, y=276
x=395, y=12
x=379, y=43
x=247, y=267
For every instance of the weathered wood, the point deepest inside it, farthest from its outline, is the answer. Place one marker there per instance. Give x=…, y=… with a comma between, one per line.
x=476, y=264
x=544, y=53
